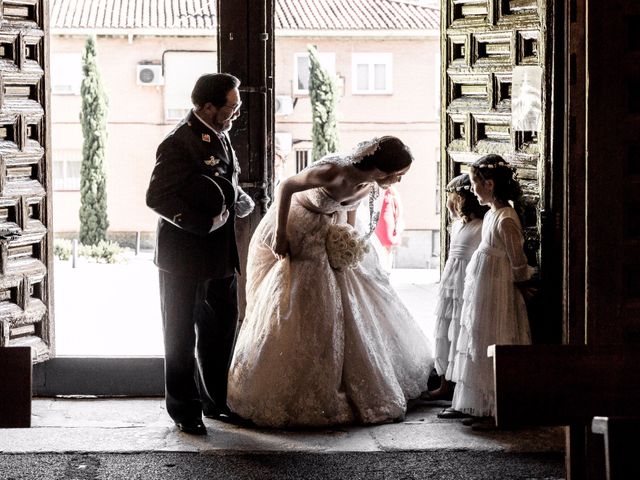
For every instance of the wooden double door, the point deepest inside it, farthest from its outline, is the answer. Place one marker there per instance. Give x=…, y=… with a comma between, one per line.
x=497, y=97
x=245, y=39
x=577, y=154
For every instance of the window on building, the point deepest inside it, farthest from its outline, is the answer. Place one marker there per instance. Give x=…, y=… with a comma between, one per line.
x=66, y=73
x=301, y=69
x=438, y=199
x=436, y=103
x=66, y=169
x=371, y=73
x=435, y=243
x=181, y=70
x=302, y=159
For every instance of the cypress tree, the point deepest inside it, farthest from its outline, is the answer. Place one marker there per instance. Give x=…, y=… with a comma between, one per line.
x=323, y=94
x=93, y=118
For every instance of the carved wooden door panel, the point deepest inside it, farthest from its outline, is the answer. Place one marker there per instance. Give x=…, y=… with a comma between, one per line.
x=25, y=243
x=485, y=44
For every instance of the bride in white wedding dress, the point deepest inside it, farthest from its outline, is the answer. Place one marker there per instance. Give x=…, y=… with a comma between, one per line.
x=322, y=344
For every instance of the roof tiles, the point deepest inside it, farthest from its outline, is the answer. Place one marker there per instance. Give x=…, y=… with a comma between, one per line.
x=200, y=14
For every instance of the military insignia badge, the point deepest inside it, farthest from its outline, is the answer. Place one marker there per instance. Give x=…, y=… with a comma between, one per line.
x=206, y=137
x=212, y=161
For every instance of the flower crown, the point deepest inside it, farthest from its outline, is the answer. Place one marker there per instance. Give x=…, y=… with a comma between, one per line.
x=495, y=165
x=461, y=188
x=364, y=149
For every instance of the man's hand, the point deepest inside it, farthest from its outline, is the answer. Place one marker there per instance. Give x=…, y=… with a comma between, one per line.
x=244, y=204
x=220, y=220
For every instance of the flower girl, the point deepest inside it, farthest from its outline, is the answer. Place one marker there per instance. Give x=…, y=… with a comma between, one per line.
x=466, y=229
x=494, y=310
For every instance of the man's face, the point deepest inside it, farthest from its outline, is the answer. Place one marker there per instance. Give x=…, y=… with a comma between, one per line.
x=222, y=118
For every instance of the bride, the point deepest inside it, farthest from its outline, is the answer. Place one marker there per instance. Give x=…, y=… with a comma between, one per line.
x=325, y=339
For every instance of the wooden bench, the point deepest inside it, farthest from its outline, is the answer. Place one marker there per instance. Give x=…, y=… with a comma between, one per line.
x=15, y=387
x=566, y=385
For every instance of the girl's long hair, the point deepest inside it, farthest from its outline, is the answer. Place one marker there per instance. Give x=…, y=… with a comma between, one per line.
x=468, y=205
x=505, y=185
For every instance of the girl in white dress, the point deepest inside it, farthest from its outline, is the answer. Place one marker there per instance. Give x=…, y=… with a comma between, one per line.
x=326, y=339
x=466, y=229
x=494, y=310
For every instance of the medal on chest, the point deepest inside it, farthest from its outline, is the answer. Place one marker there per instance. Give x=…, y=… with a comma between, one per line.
x=212, y=161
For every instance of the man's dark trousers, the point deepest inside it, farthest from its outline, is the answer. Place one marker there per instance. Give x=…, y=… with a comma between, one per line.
x=203, y=313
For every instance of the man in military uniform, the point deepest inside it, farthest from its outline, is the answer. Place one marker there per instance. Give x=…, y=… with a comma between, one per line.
x=196, y=253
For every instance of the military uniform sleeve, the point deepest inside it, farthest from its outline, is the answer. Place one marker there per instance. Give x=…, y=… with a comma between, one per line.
x=169, y=178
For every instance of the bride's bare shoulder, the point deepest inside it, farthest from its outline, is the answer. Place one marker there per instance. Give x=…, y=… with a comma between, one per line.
x=328, y=171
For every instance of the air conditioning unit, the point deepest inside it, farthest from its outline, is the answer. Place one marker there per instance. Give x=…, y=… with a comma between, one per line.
x=283, y=142
x=284, y=105
x=149, y=74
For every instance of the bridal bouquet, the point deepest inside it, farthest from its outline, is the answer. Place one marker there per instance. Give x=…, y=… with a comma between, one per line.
x=345, y=247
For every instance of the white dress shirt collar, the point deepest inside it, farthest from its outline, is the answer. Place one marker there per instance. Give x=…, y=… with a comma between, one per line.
x=219, y=134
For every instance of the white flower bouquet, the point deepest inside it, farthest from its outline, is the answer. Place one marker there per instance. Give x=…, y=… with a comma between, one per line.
x=345, y=247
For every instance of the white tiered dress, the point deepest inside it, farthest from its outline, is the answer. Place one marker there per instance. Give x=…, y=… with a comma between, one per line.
x=493, y=312
x=465, y=238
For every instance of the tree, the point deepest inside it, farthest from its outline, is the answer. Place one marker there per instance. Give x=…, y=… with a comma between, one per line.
x=93, y=117
x=322, y=91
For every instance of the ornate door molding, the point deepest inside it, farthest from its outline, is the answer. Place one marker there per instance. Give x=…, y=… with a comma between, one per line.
x=25, y=202
x=483, y=43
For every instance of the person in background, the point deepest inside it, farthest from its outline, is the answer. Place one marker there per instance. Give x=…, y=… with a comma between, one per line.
x=390, y=227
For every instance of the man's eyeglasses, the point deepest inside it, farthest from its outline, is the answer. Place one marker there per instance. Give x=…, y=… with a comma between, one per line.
x=234, y=108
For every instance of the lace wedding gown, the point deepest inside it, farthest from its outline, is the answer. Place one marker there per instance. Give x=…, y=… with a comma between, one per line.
x=320, y=346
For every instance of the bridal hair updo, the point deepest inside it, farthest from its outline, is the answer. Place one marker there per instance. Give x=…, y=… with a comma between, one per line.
x=465, y=201
x=391, y=156
x=494, y=167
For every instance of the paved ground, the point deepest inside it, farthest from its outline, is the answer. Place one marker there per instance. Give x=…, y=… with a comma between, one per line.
x=134, y=438
x=114, y=309
x=283, y=466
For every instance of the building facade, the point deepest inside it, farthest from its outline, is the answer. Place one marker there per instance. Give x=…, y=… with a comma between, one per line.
x=384, y=54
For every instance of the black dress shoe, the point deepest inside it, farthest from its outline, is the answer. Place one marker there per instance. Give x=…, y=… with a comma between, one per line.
x=227, y=416
x=236, y=419
x=214, y=414
x=192, y=427
x=211, y=410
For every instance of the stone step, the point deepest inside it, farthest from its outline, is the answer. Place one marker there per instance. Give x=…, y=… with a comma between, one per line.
x=135, y=439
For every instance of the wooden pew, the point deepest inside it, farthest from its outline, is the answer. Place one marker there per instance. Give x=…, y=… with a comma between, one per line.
x=566, y=385
x=15, y=387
